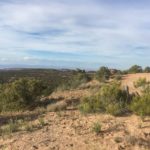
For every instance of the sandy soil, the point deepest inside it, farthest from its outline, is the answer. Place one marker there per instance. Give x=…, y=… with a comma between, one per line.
x=72, y=131
x=128, y=80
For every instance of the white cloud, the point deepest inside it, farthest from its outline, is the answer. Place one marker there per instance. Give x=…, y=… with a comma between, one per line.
x=71, y=26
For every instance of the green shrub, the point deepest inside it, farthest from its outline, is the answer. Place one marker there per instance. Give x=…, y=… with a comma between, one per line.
x=141, y=105
x=118, y=77
x=116, y=109
x=96, y=127
x=28, y=127
x=112, y=93
x=135, y=69
x=110, y=99
x=20, y=94
x=79, y=77
x=147, y=69
x=41, y=121
x=11, y=127
x=141, y=82
x=85, y=107
x=91, y=105
x=103, y=74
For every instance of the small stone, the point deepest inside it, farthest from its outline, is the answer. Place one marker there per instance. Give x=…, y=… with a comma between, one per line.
x=35, y=147
x=118, y=139
x=121, y=147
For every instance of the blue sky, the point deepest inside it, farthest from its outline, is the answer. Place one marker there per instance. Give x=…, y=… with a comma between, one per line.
x=75, y=33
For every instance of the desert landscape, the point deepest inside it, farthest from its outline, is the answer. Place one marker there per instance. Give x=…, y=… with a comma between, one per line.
x=61, y=126
x=74, y=75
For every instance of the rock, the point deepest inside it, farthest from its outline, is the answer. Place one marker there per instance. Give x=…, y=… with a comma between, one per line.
x=35, y=147
x=118, y=139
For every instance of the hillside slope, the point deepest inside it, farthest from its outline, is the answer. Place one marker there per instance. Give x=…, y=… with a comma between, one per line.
x=129, y=79
x=68, y=129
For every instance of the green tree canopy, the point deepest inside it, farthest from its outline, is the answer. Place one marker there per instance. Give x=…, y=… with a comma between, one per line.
x=103, y=74
x=147, y=69
x=21, y=94
x=135, y=69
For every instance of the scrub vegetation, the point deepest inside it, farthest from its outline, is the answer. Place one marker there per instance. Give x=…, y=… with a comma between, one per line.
x=77, y=103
